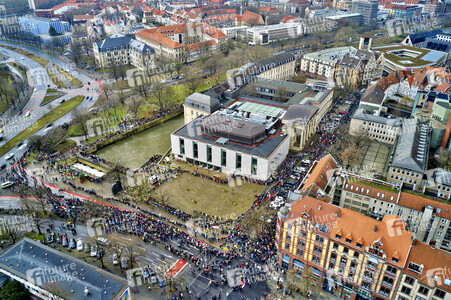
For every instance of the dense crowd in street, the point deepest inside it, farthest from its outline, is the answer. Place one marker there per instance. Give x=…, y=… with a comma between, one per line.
x=149, y=226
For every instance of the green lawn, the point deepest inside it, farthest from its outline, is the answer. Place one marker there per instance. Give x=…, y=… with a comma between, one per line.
x=35, y=236
x=48, y=98
x=36, y=58
x=55, y=79
x=52, y=116
x=111, y=115
x=6, y=78
x=213, y=198
x=71, y=78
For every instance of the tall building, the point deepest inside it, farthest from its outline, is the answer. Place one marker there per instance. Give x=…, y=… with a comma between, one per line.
x=368, y=10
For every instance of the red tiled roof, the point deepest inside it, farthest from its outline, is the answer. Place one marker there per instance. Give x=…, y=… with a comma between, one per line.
x=289, y=19
x=436, y=263
x=250, y=17
x=321, y=172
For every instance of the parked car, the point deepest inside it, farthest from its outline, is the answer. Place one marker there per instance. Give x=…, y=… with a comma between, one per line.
x=115, y=261
x=87, y=248
x=50, y=238
x=93, y=251
x=103, y=241
x=80, y=245
x=9, y=156
x=72, y=244
x=124, y=263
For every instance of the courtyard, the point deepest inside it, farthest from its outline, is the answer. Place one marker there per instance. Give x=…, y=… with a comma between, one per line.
x=373, y=158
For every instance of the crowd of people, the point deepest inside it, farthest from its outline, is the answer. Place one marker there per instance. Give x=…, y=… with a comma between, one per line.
x=153, y=227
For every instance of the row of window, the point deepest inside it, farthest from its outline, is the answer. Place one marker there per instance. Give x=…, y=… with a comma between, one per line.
x=238, y=161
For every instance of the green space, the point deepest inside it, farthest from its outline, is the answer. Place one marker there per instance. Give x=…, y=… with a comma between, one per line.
x=52, y=91
x=222, y=200
x=36, y=58
x=71, y=78
x=19, y=68
x=35, y=236
x=55, y=79
x=51, y=116
x=113, y=117
x=7, y=91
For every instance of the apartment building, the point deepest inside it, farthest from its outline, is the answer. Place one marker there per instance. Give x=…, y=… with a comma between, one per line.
x=123, y=50
x=427, y=274
x=322, y=63
x=367, y=9
x=377, y=128
x=278, y=67
x=356, y=255
x=429, y=219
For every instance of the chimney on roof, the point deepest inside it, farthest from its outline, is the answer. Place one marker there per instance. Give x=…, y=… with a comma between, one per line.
x=339, y=213
x=375, y=228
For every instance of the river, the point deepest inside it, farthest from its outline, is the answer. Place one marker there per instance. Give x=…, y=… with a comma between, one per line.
x=134, y=151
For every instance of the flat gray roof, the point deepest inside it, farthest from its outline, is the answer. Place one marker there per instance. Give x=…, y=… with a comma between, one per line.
x=263, y=149
x=34, y=262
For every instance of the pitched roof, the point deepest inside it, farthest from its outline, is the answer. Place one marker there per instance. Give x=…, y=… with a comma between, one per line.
x=435, y=264
x=413, y=146
x=322, y=172
x=250, y=17
x=200, y=45
x=300, y=113
x=372, y=231
x=289, y=19
x=419, y=203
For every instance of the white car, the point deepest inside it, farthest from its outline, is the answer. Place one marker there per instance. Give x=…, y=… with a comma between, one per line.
x=93, y=251
x=23, y=146
x=115, y=261
x=9, y=156
x=80, y=245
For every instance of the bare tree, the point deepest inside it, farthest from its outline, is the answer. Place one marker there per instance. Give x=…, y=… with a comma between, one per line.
x=192, y=80
x=34, y=203
x=133, y=251
x=80, y=119
x=107, y=90
x=11, y=234
x=103, y=249
x=162, y=93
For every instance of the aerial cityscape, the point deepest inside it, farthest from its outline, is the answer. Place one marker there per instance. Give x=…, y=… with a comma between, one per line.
x=213, y=149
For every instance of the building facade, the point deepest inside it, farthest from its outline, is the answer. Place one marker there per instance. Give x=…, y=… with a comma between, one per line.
x=123, y=50
x=237, y=140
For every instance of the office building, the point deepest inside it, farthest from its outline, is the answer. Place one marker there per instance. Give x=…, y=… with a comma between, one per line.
x=367, y=9
x=263, y=35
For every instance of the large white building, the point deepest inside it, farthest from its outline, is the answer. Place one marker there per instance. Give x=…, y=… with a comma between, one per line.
x=263, y=35
x=244, y=139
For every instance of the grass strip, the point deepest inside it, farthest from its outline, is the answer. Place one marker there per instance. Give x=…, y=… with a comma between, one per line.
x=50, y=117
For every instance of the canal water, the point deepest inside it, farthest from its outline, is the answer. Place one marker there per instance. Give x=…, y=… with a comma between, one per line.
x=134, y=151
